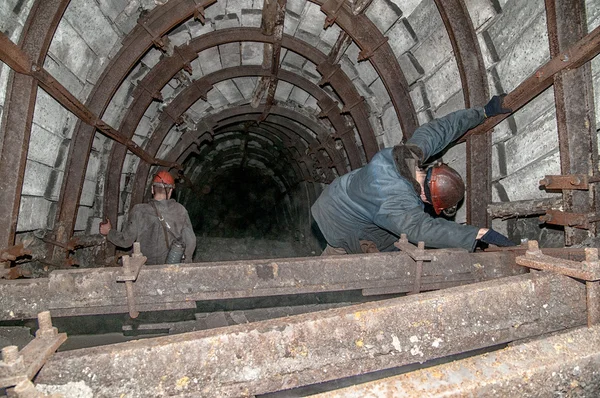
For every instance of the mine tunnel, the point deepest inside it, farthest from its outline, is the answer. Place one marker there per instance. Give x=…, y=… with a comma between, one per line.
x=255, y=108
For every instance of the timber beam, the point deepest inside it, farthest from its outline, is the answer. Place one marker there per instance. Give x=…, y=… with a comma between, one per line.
x=164, y=287
x=567, y=364
x=279, y=354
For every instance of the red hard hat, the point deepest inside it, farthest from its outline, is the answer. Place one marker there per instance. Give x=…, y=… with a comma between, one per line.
x=446, y=187
x=165, y=178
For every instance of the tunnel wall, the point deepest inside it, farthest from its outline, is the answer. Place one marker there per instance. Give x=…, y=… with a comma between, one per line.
x=512, y=35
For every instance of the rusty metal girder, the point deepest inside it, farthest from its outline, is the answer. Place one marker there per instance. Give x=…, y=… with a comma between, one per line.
x=574, y=101
x=473, y=76
x=575, y=56
x=566, y=364
x=568, y=182
x=566, y=219
x=94, y=291
x=18, y=111
x=279, y=354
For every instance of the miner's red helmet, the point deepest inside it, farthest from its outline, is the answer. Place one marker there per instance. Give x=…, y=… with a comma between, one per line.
x=164, y=178
x=446, y=187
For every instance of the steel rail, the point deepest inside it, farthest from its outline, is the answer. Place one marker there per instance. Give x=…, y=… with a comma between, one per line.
x=279, y=354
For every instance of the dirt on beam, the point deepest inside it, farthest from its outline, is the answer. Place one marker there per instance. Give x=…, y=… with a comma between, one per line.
x=280, y=354
x=166, y=287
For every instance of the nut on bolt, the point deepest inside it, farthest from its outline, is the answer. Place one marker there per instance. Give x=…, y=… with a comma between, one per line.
x=45, y=323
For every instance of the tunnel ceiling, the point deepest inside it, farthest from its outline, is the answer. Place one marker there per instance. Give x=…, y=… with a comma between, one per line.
x=299, y=91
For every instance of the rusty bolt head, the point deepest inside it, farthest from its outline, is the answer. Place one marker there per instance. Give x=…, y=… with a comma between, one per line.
x=10, y=354
x=575, y=180
x=45, y=325
x=545, y=181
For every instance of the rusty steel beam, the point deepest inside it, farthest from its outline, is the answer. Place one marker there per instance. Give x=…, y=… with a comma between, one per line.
x=21, y=93
x=257, y=358
x=566, y=364
x=574, y=101
x=473, y=77
x=374, y=47
x=523, y=208
x=574, y=57
x=273, y=17
x=96, y=291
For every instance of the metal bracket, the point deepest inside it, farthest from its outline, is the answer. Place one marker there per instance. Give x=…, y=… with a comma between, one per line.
x=568, y=182
x=182, y=53
x=327, y=108
x=331, y=9
x=576, y=220
x=348, y=107
x=367, y=53
x=588, y=271
x=200, y=8
x=160, y=42
x=418, y=254
x=17, y=366
x=327, y=70
x=131, y=269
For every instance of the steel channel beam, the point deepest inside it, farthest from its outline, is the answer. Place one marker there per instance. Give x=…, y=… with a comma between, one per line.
x=366, y=35
x=160, y=20
x=566, y=364
x=577, y=55
x=95, y=291
x=574, y=101
x=473, y=77
x=21, y=93
x=278, y=354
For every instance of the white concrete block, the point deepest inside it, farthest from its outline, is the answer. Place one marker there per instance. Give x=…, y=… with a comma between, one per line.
x=502, y=132
x=433, y=51
x=229, y=91
x=252, y=53
x=443, y=84
x=33, y=213
x=251, y=18
x=311, y=103
x=407, y=6
x=245, y=85
x=4, y=71
x=93, y=26
x=236, y=6
x=299, y=96
x=380, y=93
x=540, y=105
x=532, y=143
x=88, y=193
x=383, y=13
x=410, y=68
x=400, y=37
x=348, y=67
x=367, y=72
x=36, y=179
x=295, y=6
x=72, y=51
x=284, y=89
x=179, y=36
x=516, y=17
x=52, y=116
x=480, y=11
x=424, y=116
x=419, y=97
x=454, y=103
x=111, y=8
x=209, y=60
x=425, y=19
x=230, y=55
x=13, y=15
x=215, y=10
x=290, y=26
x=227, y=21
x=83, y=214
x=526, y=56
x=64, y=76
x=592, y=8
x=312, y=20
x=524, y=184
x=309, y=71
x=216, y=99
x=93, y=166
x=43, y=146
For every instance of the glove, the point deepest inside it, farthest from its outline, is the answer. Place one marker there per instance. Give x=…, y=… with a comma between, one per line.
x=494, y=107
x=492, y=237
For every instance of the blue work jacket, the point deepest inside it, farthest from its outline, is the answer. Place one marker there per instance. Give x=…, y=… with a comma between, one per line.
x=376, y=203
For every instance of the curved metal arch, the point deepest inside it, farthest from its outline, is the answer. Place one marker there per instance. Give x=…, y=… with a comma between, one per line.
x=19, y=107
x=284, y=127
x=375, y=47
x=473, y=76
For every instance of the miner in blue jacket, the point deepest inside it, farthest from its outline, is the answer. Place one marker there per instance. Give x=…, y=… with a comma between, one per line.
x=376, y=203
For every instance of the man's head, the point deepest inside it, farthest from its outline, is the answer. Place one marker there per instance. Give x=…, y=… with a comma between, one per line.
x=443, y=187
x=162, y=185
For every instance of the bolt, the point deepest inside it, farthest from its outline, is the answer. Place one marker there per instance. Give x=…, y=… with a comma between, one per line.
x=421, y=245
x=45, y=325
x=546, y=181
x=26, y=389
x=10, y=354
x=575, y=180
x=591, y=254
x=137, y=251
